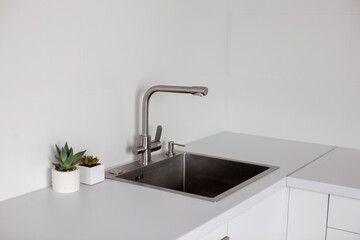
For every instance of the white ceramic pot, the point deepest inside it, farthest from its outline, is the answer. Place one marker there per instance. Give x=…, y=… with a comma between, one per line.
x=65, y=182
x=92, y=175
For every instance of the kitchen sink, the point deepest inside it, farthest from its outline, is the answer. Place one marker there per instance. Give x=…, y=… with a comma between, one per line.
x=200, y=176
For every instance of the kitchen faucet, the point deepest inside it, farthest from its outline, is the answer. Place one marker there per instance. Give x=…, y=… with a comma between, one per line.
x=145, y=146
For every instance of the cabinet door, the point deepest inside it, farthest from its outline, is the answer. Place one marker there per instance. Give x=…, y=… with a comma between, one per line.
x=263, y=221
x=307, y=215
x=344, y=213
x=334, y=234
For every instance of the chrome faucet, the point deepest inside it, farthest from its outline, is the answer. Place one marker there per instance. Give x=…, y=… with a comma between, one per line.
x=146, y=146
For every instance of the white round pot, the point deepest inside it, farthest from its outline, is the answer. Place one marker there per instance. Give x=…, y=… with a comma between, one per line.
x=65, y=182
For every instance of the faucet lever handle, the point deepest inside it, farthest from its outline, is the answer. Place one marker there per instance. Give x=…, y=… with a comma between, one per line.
x=156, y=143
x=158, y=133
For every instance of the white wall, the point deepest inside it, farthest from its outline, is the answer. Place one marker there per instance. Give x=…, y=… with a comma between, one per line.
x=76, y=70
x=294, y=70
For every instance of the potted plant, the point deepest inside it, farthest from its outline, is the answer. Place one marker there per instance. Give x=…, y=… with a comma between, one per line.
x=65, y=175
x=91, y=171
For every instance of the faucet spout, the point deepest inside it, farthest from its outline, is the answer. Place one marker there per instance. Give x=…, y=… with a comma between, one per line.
x=196, y=91
x=146, y=145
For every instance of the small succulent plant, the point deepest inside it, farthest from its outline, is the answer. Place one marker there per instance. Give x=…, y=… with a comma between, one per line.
x=66, y=159
x=89, y=161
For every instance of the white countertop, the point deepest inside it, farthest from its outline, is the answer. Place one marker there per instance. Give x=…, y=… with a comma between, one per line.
x=116, y=210
x=337, y=173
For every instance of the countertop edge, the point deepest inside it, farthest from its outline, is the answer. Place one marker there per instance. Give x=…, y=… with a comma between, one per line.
x=322, y=187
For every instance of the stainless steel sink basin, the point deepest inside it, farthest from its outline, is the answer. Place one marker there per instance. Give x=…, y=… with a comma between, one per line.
x=204, y=177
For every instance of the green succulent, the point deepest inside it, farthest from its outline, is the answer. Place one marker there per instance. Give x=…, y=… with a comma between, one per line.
x=89, y=161
x=66, y=159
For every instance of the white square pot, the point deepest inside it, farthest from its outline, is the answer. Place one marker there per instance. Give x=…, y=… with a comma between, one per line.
x=92, y=175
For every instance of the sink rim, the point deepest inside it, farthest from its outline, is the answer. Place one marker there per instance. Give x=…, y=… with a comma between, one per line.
x=136, y=165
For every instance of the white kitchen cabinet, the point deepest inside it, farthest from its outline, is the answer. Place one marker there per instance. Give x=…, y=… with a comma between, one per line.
x=344, y=213
x=335, y=234
x=265, y=220
x=307, y=217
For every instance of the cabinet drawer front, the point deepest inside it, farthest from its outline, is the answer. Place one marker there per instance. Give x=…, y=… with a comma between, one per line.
x=344, y=213
x=334, y=234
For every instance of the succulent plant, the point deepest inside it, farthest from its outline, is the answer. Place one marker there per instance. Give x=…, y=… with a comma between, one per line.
x=66, y=159
x=89, y=161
